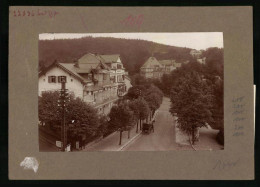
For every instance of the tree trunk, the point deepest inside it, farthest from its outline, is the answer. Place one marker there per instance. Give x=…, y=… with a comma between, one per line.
x=128, y=133
x=137, y=126
x=120, y=138
x=140, y=124
x=193, y=136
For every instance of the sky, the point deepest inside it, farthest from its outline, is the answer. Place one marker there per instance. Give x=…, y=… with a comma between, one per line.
x=194, y=40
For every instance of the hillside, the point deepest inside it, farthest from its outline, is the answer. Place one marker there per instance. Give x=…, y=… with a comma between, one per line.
x=133, y=52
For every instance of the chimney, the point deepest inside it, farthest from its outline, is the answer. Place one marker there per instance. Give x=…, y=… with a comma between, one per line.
x=76, y=63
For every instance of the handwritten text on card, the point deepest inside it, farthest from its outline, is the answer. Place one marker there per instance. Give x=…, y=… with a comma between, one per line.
x=238, y=115
x=33, y=13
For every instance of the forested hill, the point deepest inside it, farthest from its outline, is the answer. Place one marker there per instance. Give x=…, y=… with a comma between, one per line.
x=133, y=52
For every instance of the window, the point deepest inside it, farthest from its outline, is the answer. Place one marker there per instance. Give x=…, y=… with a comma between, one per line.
x=95, y=97
x=89, y=76
x=104, y=76
x=119, y=66
x=113, y=79
x=62, y=79
x=51, y=79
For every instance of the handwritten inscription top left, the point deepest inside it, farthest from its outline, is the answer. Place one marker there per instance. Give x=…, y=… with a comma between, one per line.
x=33, y=13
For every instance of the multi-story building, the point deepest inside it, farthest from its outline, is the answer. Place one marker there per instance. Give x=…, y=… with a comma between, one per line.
x=153, y=68
x=97, y=79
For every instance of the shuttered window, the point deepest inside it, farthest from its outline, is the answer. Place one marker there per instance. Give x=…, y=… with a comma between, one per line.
x=62, y=79
x=51, y=79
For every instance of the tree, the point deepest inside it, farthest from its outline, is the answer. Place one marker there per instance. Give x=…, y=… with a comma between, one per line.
x=218, y=109
x=153, y=97
x=135, y=91
x=214, y=61
x=81, y=118
x=191, y=100
x=121, y=118
x=140, y=110
x=103, y=125
x=48, y=108
x=83, y=114
x=154, y=101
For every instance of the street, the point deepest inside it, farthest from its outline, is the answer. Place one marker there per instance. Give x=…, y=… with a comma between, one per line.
x=163, y=137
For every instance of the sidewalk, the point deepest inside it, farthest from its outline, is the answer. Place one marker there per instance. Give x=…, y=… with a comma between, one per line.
x=111, y=142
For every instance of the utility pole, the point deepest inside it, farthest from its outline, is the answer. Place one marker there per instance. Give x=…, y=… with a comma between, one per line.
x=62, y=103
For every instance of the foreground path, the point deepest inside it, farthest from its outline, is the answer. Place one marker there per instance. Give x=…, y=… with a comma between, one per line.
x=163, y=138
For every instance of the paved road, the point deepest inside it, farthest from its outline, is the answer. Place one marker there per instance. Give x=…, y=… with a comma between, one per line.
x=163, y=138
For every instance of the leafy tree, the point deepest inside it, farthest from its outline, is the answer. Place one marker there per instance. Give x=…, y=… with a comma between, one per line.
x=191, y=100
x=218, y=109
x=214, y=61
x=154, y=101
x=135, y=92
x=83, y=114
x=103, y=125
x=48, y=108
x=153, y=97
x=121, y=118
x=81, y=118
x=140, y=110
x=138, y=79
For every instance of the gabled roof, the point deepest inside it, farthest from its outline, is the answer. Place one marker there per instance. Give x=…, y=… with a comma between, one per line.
x=90, y=61
x=151, y=62
x=67, y=67
x=110, y=58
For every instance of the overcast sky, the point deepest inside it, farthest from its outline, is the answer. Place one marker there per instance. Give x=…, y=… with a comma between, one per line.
x=194, y=40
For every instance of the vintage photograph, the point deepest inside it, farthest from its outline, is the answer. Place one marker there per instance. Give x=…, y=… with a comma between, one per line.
x=131, y=91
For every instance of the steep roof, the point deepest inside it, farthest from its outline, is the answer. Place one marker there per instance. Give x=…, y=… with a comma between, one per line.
x=151, y=62
x=90, y=61
x=67, y=67
x=110, y=58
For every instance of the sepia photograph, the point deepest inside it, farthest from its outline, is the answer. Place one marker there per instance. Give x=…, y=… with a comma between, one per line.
x=131, y=91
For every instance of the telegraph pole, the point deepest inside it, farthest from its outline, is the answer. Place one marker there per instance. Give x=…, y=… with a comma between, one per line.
x=62, y=104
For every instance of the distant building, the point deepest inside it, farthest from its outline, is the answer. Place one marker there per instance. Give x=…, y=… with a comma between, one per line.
x=98, y=79
x=195, y=53
x=168, y=65
x=152, y=68
x=201, y=60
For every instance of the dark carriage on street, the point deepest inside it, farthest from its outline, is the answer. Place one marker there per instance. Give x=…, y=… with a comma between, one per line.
x=147, y=128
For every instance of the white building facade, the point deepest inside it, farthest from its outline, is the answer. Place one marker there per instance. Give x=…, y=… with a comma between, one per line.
x=97, y=79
